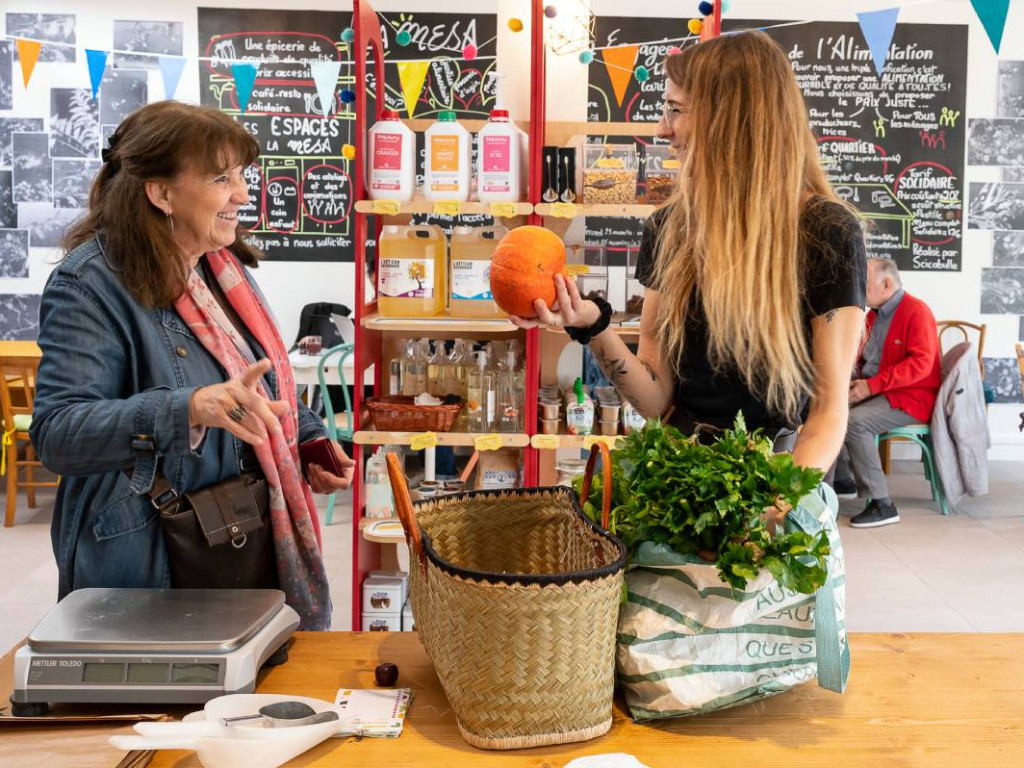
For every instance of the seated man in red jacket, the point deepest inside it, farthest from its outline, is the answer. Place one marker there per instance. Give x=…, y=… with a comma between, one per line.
x=897, y=384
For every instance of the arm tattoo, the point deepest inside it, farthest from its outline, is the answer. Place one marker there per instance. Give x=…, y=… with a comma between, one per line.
x=650, y=370
x=830, y=315
x=615, y=370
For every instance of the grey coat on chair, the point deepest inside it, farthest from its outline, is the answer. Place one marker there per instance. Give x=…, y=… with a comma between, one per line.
x=959, y=427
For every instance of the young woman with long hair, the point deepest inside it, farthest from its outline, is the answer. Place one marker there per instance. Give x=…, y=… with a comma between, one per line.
x=754, y=271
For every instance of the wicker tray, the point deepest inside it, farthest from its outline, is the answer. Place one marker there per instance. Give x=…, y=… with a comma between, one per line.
x=399, y=413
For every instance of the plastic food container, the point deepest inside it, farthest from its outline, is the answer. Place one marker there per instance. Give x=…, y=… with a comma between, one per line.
x=661, y=171
x=549, y=426
x=609, y=173
x=550, y=409
x=610, y=412
x=609, y=427
x=579, y=418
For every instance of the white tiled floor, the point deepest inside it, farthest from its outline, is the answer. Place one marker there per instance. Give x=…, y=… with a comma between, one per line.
x=927, y=574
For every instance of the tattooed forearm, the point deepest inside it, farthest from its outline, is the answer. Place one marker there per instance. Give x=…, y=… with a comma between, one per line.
x=830, y=315
x=615, y=371
x=650, y=370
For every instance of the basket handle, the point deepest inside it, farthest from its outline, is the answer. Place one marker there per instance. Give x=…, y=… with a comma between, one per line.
x=403, y=505
x=606, y=486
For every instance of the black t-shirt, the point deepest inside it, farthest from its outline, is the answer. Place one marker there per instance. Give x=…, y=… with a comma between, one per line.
x=835, y=276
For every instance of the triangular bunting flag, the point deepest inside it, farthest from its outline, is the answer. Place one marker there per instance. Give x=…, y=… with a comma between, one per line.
x=325, y=75
x=412, y=75
x=28, y=55
x=619, y=63
x=171, y=68
x=992, y=14
x=244, y=73
x=97, y=63
x=878, y=28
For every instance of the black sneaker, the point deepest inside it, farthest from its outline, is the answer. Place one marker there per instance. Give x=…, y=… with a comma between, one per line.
x=875, y=515
x=845, y=489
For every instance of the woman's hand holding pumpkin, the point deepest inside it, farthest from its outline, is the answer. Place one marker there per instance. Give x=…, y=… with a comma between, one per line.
x=570, y=309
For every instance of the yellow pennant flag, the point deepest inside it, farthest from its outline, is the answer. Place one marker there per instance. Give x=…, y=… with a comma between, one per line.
x=412, y=75
x=28, y=55
x=619, y=63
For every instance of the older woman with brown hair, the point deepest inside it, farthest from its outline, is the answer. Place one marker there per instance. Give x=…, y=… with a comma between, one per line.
x=165, y=398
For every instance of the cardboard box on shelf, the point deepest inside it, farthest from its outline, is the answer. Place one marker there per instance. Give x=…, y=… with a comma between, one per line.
x=383, y=594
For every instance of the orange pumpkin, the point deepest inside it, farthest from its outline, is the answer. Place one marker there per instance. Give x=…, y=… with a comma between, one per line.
x=523, y=269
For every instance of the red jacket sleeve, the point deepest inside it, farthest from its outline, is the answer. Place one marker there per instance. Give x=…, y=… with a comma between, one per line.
x=922, y=345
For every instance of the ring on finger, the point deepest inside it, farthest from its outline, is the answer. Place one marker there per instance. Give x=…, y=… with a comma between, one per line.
x=238, y=413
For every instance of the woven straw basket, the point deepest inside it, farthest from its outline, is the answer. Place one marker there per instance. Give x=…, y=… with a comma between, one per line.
x=516, y=597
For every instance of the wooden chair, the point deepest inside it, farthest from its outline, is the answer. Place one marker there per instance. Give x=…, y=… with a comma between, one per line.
x=17, y=391
x=961, y=331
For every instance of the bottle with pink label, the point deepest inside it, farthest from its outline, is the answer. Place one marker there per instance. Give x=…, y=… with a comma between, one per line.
x=499, y=157
x=391, y=171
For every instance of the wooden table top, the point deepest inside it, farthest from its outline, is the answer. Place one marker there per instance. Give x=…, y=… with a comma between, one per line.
x=19, y=349
x=933, y=700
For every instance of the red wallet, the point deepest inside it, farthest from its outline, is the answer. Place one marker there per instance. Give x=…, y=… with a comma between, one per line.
x=320, y=451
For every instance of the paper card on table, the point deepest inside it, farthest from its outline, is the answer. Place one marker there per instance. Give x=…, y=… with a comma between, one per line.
x=491, y=442
x=386, y=207
x=447, y=208
x=424, y=440
x=502, y=210
x=379, y=713
x=545, y=442
x=563, y=210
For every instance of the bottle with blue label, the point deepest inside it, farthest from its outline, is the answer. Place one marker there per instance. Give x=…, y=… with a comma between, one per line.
x=470, y=279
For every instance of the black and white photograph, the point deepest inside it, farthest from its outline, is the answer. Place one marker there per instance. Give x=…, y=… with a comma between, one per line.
x=122, y=91
x=1011, y=89
x=1003, y=376
x=13, y=253
x=50, y=28
x=71, y=182
x=74, y=123
x=1002, y=291
x=1013, y=175
x=11, y=125
x=19, y=316
x=154, y=37
x=33, y=169
x=46, y=224
x=995, y=205
x=1008, y=249
x=6, y=74
x=8, y=210
x=996, y=142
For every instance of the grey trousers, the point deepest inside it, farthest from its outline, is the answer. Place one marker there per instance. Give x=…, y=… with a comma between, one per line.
x=859, y=457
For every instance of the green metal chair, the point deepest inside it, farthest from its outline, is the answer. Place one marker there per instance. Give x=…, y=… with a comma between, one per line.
x=922, y=435
x=340, y=353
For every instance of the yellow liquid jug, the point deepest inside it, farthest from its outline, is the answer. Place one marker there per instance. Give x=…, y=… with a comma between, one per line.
x=470, y=279
x=411, y=275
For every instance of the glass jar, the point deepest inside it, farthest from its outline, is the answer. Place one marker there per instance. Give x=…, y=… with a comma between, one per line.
x=569, y=469
x=609, y=173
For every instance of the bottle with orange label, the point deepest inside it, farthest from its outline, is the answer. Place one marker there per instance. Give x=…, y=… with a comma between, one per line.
x=447, y=171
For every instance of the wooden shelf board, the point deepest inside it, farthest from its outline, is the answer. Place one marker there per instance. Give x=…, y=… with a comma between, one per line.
x=374, y=437
x=620, y=210
x=439, y=323
x=422, y=205
x=366, y=521
x=568, y=441
x=618, y=328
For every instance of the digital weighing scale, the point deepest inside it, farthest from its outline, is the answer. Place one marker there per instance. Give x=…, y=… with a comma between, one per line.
x=151, y=646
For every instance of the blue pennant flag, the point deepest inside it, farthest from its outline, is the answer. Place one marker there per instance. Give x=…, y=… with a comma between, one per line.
x=992, y=14
x=325, y=75
x=878, y=28
x=171, y=68
x=97, y=64
x=244, y=73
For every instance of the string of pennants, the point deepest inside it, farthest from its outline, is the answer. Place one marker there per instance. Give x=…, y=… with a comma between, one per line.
x=877, y=27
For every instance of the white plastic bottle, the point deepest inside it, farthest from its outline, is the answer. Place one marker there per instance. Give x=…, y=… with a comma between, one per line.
x=498, y=160
x=447, y=169
x=391, y=167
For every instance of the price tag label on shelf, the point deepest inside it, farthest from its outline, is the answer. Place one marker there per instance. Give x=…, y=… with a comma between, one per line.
x=591, y=440
x=545, y=442
x=424, y=440
x=491, y=442
x=447, y=208
x=386, y=207
x=577, y=269
x=502, y=210
x=563, y=210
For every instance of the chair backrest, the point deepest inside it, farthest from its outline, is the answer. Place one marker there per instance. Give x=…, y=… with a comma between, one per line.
x=17, y=387
x=315, y=320
x=952, y=332
x=341, y=352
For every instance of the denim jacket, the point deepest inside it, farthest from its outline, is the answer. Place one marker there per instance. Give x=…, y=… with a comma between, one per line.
x=112, y=394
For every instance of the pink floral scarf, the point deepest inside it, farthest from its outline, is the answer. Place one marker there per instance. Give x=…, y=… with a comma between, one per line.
x=300, y=565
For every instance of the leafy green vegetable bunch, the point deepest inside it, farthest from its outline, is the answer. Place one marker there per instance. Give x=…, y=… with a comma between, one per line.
x=712, y=501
